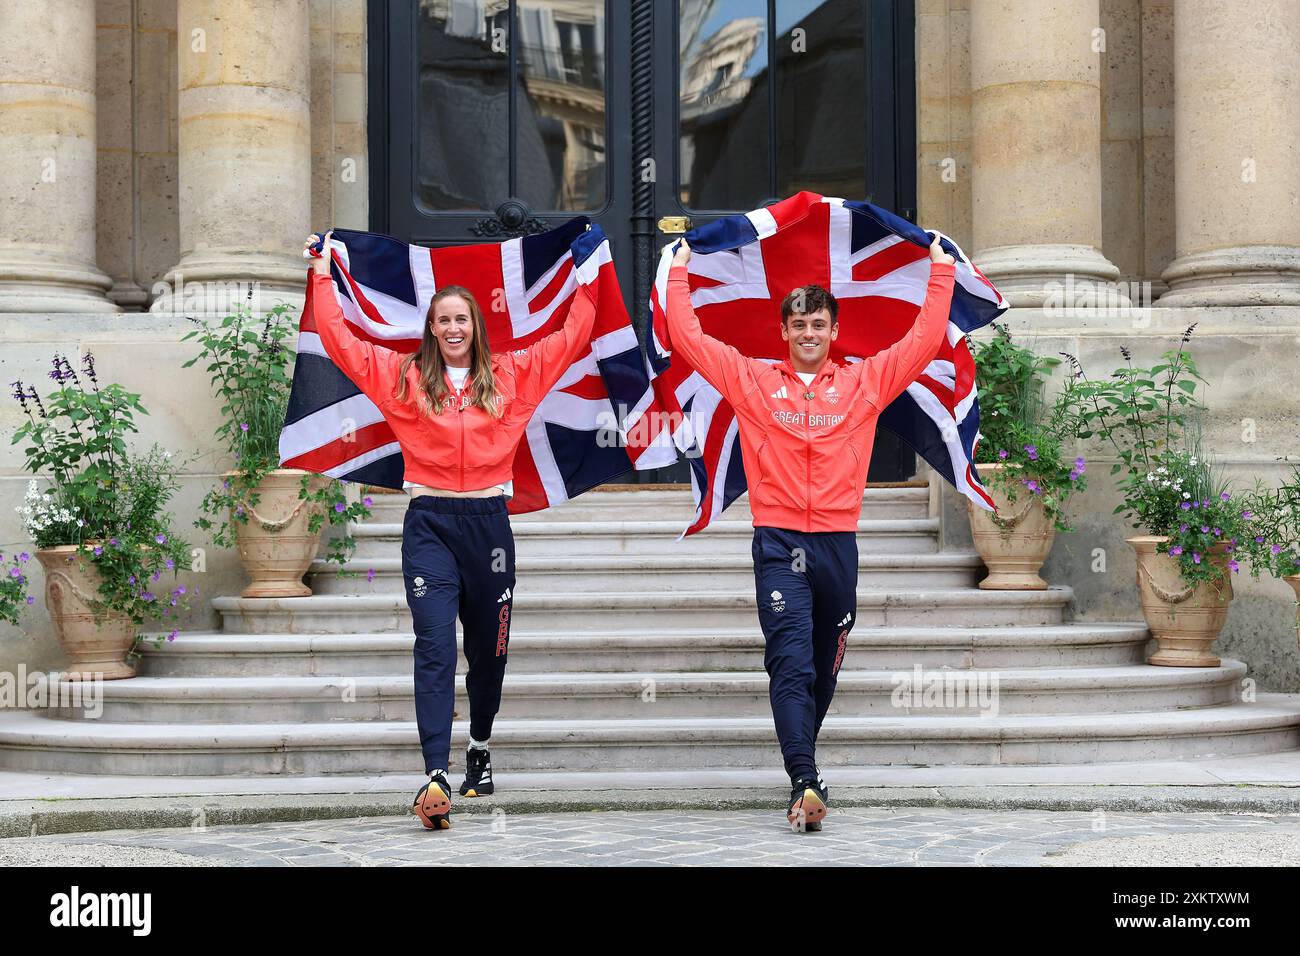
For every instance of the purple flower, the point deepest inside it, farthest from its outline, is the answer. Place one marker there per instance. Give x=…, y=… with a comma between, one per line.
x=1233, y=565
x=243, y=426
x=1259, y=539
x=1073, y=474
x=225, y=482
x=172, y=635
x=370, y=574
x=1176, y=550
x=239, y=509
x=155, y=575
x=1277, y=549
x=131, y=579
x=171, y=565
x=1205, y=529
x=1223, y=496
x=98, y=550
x=160, y=538
x=1032, y=486
x=340, y=507
x=1182, y=529
x=1078, y=464
x=14, y=571
x=1185, y=505
x=180, y=589
x=24, y=556
x=1033, y=452
x=147, y=595
x=1196, y=557
x=114, y=542
x=30, y=599
x=1002, y=453
x=367, y=501
x=1246, y=514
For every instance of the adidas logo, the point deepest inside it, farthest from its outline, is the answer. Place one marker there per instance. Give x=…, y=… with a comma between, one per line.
x=847, y=617
x=780, y=393
x=504, y=597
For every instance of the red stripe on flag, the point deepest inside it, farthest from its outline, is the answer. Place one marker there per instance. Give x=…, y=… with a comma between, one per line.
x=713, y=444
x=886, y=261
x=334, y=453
x=553, y=288
x=529, y=495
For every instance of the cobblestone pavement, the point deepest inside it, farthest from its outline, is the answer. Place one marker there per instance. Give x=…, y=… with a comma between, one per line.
x=851, y=836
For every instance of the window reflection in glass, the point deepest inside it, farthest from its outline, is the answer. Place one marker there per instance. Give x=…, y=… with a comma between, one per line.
x=723, y=104
x=727, y=146
x=467, y=156
x=560, y=131
x=821, y=98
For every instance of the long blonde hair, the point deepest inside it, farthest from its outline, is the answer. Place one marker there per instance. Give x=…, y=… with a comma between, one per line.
x=429, y=360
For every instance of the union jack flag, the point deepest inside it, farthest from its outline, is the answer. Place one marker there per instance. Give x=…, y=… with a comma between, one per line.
x=877, y=266
x=524, y=287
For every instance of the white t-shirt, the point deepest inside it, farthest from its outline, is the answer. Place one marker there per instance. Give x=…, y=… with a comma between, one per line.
x=458, y=377
x=806, y=377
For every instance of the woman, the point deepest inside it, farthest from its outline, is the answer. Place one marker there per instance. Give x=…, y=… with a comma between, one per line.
x=458, y=412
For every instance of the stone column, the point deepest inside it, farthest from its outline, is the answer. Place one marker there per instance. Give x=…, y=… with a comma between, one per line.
x=244, y=154
x=1236, y=154
x=47, y=159
x=1036, y=150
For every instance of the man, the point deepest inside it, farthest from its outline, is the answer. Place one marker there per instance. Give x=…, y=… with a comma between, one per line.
x=807, y=425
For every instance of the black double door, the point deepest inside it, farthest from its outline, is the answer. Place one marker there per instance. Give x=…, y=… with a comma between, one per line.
x=495, y=118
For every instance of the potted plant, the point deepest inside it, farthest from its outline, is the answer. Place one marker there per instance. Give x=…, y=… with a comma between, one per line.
x=272, y=516
x=1021, y=458
x=1190, y=523
x=1272, y=542
x=100, y=530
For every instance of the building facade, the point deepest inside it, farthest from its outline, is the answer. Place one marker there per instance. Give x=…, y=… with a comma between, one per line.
x=1121, y=169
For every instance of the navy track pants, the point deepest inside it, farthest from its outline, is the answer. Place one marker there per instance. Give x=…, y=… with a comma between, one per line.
x=806, y=586
x=458, y=557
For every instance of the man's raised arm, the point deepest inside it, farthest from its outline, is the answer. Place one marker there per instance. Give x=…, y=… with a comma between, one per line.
x=887, y=374
x=721, y=365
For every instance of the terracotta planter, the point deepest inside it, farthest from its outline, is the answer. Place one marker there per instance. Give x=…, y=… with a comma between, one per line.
x=1184, y=620
x=1294, y=581
x=1014, y=541
x=275, y=546
x=95, y=649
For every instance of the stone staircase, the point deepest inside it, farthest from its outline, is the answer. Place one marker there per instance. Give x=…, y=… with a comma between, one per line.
x=631, y=650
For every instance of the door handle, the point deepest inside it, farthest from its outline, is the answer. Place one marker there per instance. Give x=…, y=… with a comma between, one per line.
x=674, y=225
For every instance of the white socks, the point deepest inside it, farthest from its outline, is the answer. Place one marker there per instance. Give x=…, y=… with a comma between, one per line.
x=477, y=744
x=434, y=773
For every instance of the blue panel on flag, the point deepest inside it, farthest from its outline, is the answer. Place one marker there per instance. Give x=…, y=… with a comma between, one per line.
x=379, y=262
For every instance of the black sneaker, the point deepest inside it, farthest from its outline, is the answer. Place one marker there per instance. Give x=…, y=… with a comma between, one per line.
x=807, y=807
x=478, y=773
x=433, y=803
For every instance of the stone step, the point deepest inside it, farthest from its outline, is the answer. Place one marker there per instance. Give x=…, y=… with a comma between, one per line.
x=31, y=740
x=554, y=538
x=979, y=694
x=671, y=504
x=610, y=611
x=1079, y=644
x=622, y=572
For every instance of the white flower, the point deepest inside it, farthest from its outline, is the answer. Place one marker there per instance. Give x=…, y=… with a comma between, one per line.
x=1186, y=494
x=1191, y=461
